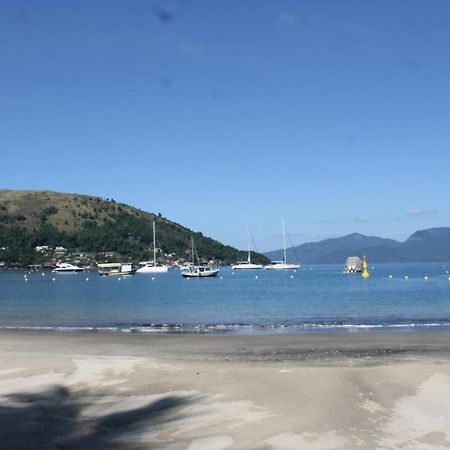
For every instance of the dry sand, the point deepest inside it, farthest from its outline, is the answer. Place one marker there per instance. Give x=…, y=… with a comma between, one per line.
x=67, y=390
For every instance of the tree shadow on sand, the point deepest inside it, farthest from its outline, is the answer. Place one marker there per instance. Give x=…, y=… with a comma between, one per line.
x=57, y=419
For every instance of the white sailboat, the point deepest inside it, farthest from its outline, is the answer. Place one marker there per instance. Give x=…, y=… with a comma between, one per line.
x=246, y=264
x=150, y=266
x=282, y=265
x=199, y=271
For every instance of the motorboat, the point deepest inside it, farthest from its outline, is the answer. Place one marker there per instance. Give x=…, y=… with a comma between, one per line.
x=66, y=268
x=106, y=269
x=152, y=266
x=282, y=265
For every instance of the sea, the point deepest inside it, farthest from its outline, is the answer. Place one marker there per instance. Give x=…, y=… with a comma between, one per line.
x=313, y=299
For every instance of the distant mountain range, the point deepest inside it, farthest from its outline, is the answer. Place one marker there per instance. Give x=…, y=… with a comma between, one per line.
x=428, y=245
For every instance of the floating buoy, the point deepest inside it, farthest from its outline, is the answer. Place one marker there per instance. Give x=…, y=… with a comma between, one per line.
x=425, y=278
x=365, y=274
x=256, y=277
x=390, y=276
x=26, y=280
x=153, y=278
x=292, y=276
x=118, y=279
x=221, y=278
x=53, y=279
x=406, y=277
x=87, y=279
x=25, y=276
x=232, y=273
x=43, y=274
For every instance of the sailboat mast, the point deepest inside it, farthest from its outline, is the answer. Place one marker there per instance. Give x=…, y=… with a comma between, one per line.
x=284, y=241
x=154, y=244
x=248, y=244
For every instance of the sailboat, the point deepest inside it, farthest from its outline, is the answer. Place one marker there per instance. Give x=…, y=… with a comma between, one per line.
x=150, y=266
x=198, y=271
x=247, y=264
x=282, y=265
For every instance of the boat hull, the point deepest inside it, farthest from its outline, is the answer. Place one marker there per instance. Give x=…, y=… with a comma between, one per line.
x=67, y=270
x=153, y=269
x=282, y=267
x=246, y=266
x=197, y=274
x=110, y=274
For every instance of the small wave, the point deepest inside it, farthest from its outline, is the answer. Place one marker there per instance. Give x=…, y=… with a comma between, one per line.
x=224, y=328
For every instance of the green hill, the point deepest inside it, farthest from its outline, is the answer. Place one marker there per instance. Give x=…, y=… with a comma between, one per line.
x=101, y=228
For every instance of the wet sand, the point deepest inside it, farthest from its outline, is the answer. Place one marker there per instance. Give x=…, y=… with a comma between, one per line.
x=101, y=390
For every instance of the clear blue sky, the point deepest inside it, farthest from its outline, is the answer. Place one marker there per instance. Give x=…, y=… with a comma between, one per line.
x=332, y=114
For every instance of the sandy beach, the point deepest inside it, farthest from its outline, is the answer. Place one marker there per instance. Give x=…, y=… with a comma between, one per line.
x=96, y=390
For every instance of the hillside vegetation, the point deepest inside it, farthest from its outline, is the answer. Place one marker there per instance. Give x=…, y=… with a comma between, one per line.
x=100, y=227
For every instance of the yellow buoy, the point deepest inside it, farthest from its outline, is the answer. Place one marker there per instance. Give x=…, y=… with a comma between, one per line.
x=365, y=274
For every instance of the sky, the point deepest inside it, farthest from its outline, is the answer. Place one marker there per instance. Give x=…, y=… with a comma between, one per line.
x=333, y=115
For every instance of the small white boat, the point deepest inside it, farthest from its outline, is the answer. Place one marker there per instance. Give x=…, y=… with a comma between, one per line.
x=66, y=268
x=151, y=266
x=106, y=269
x=282, y=265
x=200, y=270
x=246, y=264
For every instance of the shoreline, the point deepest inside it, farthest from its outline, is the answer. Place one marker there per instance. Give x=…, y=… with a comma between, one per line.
x=138, y=391
x=247, y=329
x=270, y=347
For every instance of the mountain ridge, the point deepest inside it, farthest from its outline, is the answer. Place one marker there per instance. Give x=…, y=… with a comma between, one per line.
x=428, y=245
x=95, y=225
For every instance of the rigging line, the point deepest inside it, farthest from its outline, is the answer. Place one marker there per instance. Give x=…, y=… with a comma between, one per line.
x=292, y=245
x=253, y=241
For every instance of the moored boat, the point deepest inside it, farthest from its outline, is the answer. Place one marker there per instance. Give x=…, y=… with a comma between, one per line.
x=282, y=265
x=67, y=268
x=152, y=266
x=106, y=269
x=199, y=270
x=246, y=264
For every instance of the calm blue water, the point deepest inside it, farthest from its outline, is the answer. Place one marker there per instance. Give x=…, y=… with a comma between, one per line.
x=315, y=298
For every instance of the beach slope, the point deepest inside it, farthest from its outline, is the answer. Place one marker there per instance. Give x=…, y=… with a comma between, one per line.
x=78, y=390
